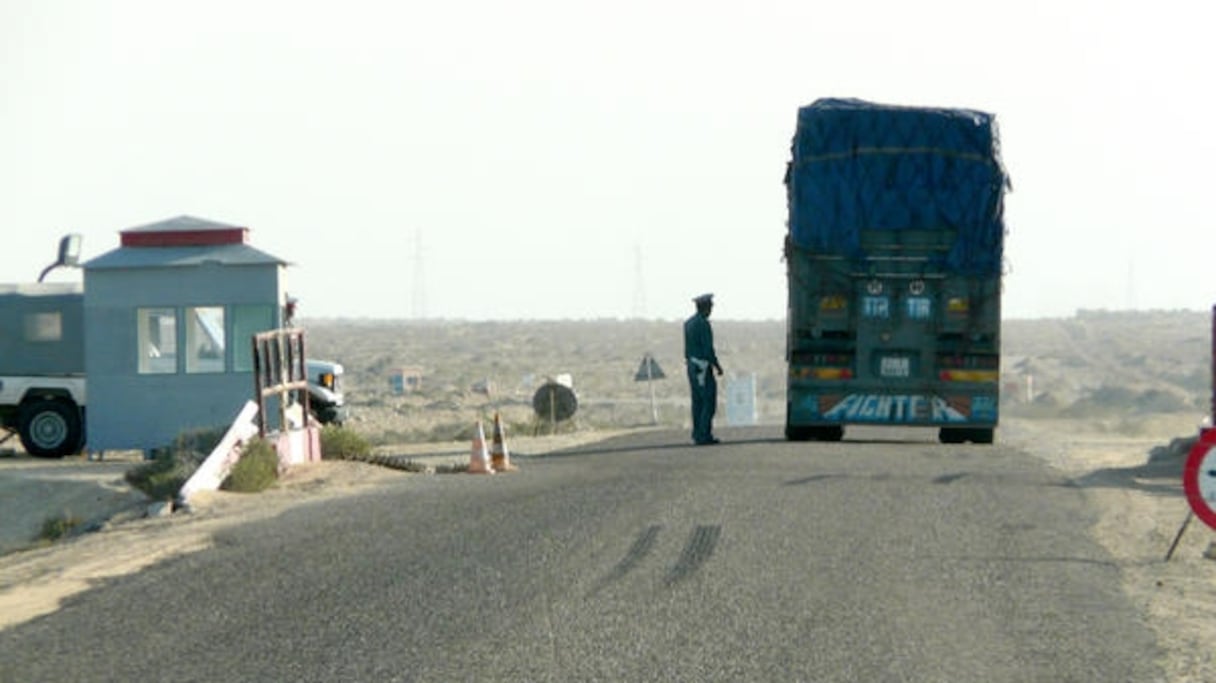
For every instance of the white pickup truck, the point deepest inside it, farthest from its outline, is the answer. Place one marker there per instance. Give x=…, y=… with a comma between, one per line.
x=42, y=384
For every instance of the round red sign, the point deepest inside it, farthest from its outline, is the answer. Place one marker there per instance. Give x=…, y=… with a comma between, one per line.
x=1199, y=479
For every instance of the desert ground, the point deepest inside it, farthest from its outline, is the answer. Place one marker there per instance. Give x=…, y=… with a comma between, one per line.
x=1110, y=399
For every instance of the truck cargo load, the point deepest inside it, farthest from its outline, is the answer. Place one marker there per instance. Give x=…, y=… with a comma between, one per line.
x=859, y=166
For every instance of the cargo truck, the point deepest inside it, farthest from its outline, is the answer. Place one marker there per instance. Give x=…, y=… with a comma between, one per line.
x=894, y=256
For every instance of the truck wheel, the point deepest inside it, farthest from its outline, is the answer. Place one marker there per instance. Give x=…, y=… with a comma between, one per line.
x=327, y=414
x=982, y=435
x=830, y=433
x=952, y=435
x=797, y=433
x=804, y=433
x=49, y=428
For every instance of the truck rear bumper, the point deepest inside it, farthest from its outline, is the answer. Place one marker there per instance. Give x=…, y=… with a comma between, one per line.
x=817, y=407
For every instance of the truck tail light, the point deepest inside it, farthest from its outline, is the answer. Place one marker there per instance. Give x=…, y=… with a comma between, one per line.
x=969, y=375
x=830, y=366
x=968, y=368
x=833, y=303
x=821, y=373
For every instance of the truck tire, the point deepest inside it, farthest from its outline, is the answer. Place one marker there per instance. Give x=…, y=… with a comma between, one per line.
x=50, y=428
x=797, y=433
x=327, y=414
x=819, y=433
x=829, y=433
x=979, y=435
x=952, y=435
x=982, y=435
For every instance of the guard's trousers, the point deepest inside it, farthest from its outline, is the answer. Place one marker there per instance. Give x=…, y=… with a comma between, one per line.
x=704, y=403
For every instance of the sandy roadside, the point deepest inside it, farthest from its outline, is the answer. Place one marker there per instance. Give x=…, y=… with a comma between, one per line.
x=1141, y=510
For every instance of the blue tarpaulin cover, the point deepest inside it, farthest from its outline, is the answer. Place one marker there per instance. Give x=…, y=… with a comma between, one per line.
x=862, y=166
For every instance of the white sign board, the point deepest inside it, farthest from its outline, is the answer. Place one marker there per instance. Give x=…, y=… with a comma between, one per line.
x=741, y=400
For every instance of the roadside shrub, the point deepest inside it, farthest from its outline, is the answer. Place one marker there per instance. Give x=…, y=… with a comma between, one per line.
x=343, y=443
x=1157, y=401
x=163, y=476
x=55, y=528
x=257, y=469
x=201, y=441
x=1197, y=381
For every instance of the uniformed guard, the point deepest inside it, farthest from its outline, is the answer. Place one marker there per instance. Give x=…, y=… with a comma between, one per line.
x=700, y=358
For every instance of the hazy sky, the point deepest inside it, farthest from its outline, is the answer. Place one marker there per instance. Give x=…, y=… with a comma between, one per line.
x=564, y=159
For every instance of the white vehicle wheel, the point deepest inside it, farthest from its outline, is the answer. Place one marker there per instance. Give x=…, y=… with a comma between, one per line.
x=49, y=428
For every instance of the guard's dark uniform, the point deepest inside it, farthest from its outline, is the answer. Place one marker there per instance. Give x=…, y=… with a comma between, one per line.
x=702, y=361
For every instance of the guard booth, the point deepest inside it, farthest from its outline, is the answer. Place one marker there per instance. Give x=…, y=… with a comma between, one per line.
x=169, y=316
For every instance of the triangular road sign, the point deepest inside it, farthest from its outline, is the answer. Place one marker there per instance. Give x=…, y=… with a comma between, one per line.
x=648, y=370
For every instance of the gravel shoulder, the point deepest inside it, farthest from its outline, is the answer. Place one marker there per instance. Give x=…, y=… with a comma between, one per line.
x=1140, y=502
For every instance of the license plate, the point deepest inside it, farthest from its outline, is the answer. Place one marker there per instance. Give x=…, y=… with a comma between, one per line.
x=895, y=366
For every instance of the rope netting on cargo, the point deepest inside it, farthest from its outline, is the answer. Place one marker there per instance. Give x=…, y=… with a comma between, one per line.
x=860, y=166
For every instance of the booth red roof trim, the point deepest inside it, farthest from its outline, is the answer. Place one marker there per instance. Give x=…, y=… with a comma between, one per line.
x=184, y=231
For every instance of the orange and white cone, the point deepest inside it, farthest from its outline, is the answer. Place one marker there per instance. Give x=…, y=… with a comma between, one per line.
x=500, y=458
x=479, y=459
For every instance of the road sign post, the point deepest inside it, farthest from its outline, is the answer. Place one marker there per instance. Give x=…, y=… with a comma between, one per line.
x=1199, y=484
x=648, y=372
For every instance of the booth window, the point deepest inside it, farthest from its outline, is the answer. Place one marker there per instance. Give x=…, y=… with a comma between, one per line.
x=205, y=339
x=246, y=322
x=157, y=338
x=44, y=327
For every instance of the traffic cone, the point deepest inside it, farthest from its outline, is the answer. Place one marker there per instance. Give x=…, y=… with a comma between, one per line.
x=479, y=460
x=500, y=458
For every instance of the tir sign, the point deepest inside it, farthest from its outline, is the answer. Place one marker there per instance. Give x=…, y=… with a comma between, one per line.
x=876, y=307
x=919, y=307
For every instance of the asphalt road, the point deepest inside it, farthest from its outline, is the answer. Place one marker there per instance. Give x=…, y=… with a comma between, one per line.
x=638, y=559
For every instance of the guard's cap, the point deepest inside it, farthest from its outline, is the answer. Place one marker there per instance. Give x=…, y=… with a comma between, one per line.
x=704, y=299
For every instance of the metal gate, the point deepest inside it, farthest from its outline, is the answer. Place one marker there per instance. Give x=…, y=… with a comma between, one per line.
x=279, y=370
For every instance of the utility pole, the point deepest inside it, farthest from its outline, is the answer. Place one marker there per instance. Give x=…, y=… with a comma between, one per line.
x=639, y=284
x=419, y=298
